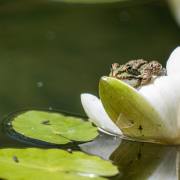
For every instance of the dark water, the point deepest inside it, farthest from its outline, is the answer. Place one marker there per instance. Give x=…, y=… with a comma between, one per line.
x=51, y=52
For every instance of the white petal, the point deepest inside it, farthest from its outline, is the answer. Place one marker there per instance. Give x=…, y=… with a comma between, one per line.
x=164, y=95
x=95, y=111
x=173, y=63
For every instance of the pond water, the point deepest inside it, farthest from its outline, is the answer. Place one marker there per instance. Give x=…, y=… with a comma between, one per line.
x=135, y=160
x=51, y=52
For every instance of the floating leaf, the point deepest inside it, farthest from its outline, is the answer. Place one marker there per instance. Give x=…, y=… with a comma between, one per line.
x=131, y=112
x=90, y=1
x=34, y=163
x=50, y=127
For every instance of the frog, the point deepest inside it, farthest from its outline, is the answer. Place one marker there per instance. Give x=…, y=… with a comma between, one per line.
x=138, y=72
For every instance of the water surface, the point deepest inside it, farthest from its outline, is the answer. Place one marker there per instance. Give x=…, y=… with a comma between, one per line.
x=50, y=52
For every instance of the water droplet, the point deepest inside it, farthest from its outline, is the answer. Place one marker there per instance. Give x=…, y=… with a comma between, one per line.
x=71, y=131
x=69, y=150
x=40, y=84
x=88, y=175
x=50, y=108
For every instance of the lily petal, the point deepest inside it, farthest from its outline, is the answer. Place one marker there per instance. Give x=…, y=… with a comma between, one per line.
x=173, y=63
x=164, y=96
x=132, y=113
x=150, y=113
x=95, y=111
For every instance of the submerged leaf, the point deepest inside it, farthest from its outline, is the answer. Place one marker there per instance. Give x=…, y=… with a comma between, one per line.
x=33, y=163
x=131, y=112
x=52, y=127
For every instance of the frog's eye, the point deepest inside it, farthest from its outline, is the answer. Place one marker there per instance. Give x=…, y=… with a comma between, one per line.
x=131, y=70
x=128, y=67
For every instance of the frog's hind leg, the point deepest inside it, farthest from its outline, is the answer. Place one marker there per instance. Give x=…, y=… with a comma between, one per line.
x=155, y=67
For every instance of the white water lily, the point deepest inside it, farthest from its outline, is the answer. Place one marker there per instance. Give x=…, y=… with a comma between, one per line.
x=150, y=113
x=175, y=8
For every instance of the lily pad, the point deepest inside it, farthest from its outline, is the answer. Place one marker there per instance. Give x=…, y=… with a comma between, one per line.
x=91, y=1
x=49, y=127
x=34, y=163
x=131, y=112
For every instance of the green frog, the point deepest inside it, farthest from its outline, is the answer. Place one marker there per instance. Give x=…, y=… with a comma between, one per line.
x=137, y=72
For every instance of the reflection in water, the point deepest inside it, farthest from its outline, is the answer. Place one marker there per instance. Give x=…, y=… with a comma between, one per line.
x=166, y=170
x=135, y=160
x=138, y=161
x=102, y=146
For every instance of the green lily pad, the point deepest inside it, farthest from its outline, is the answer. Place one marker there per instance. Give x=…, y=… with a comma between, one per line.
x=131, y=112
x=91, y=1
x=49, y=127
x=34, y=163
x=102, y=1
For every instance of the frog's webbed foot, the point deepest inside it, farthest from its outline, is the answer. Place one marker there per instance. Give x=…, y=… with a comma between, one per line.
x=145, y=80
x=163, y=72
x=132, y=82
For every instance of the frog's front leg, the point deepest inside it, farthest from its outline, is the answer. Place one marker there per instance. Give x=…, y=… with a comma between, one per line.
x=146, y=76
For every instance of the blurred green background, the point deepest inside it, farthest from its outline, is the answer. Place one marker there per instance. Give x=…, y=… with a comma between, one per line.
x=52, y=51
